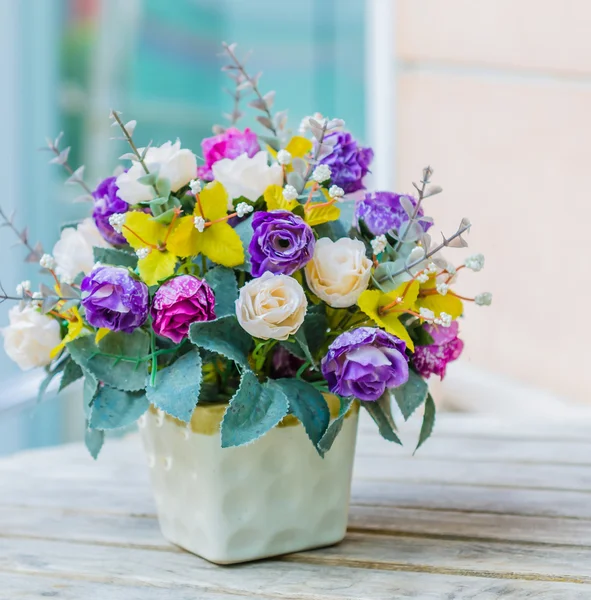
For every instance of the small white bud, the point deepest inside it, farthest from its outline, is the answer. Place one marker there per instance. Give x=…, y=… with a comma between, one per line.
x=321, y=173
x=335, y=192
x=475, y=262
x=442, y=288
x=195, y=186
x=484, y=299
x=451, y=269
x=432, y=268
x=427, y=314
x=48, y=262
x=290, y=193
x=423, y=277
x=444, y=320
x=199, y=223
x=143, y=252
x=37, y=299
x=22, y=287
x=284, y=157
x=378, y=245
x=243, y=209
x=116, y=221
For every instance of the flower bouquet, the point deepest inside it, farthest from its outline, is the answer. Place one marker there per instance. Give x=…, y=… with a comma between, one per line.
x=243, y=307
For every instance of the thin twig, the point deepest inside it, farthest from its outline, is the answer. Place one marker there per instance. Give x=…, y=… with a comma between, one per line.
x=23, y=239
x=132, y=145
x=70, y=170
x=427, y=172
x=253, y=84
x=435, y=250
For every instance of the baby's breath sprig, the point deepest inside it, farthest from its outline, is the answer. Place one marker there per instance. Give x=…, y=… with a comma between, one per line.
x=61, y=158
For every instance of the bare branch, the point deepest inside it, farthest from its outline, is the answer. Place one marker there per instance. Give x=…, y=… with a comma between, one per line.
x=61, y=158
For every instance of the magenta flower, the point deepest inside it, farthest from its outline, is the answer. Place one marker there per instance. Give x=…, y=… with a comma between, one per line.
x=446, y=346
x=180, y=302
x=364, y=363
x=230, y=144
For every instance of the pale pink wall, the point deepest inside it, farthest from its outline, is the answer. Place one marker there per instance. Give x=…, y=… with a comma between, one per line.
x=496, y=95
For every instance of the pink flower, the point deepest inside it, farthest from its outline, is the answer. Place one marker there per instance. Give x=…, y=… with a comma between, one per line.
x=230, y=144
x=180, y=302
x=446, y=346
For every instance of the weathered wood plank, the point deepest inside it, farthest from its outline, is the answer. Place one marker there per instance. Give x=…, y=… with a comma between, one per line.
x=451, y=552
x=38, y=586
x=269, y=579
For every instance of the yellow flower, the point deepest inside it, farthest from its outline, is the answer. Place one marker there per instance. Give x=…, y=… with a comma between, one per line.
x=151, y=238
x=298, y=147
x=314, y=214
x=75, y=327
x=429, y=298
x=275, y=200
x=371, y=301
x=218, y=241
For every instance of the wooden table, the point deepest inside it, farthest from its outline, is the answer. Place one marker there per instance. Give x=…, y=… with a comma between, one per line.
x=485, y=510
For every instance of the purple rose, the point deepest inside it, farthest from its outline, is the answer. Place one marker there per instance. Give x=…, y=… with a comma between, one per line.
x=382, y=211
x=113, y=299
x=282, y=243
x=364, y=363
x=348, y=162
x=180, y=302
x=446, y=346
x=107, y=203
x=230, y=144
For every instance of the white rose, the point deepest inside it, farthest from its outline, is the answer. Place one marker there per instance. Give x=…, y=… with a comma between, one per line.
x=73, y=251
x=248, y=177
x=169, y=161
x=271, y=307
x=30, y=337
x=339, y=271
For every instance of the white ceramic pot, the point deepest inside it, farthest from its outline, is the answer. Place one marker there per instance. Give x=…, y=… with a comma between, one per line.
x=232, y=505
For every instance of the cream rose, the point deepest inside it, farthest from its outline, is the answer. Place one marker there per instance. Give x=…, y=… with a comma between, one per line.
x=73, y=252
x=271, y=307
x=248, y=177
x=169, y=161
x=30, y=337
x=339, y=271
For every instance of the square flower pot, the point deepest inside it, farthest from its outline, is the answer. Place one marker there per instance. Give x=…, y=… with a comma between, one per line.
x=231, y=505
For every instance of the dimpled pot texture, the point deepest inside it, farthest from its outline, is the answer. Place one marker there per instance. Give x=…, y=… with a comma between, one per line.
x=231, y=505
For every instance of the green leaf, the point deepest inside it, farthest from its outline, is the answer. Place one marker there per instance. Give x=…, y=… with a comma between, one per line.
x=307, y=404
x=327, y=440
x=72, y=372
x=428, y=421
x=253, y=410
x=117, y=258
x=245, y=231
x=178, y=386
x=309, y=337
x=381, y=412
x=224, y=336
x=118, y=360
x=411, y=395
x=113, y=408
x=164, y=187
x=49, y=378
x=94, y=439
x=89, y=391
x=166, y=217
x=224, y=286
x=149, y=179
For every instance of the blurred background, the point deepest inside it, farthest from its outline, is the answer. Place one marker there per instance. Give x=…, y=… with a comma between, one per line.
x=493, y=94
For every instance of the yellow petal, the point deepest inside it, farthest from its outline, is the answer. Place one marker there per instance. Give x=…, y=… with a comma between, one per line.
x=141, y=230
x=324, y=214
x=449, y=304
x=275, y=200
x=156, y=266
x=100, y=334
x=370, y=301
x=183, y=239
x=299, y=146
x=222, y=245
x=214, y=202
x=74, y=330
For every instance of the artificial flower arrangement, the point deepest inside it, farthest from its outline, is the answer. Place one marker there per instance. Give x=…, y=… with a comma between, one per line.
x=262, y=276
